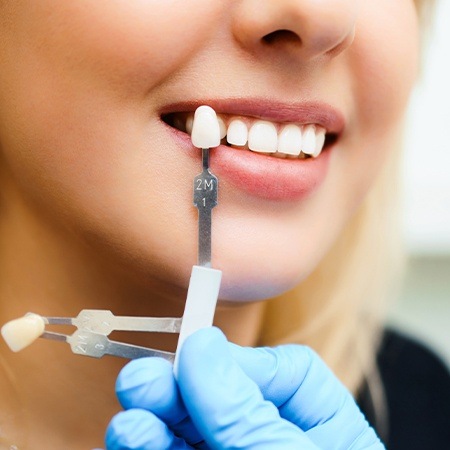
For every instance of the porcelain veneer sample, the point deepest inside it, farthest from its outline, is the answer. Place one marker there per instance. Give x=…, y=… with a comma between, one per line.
x=20, y=333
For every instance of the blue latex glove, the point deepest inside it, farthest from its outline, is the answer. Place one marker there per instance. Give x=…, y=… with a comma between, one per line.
x=229, y=397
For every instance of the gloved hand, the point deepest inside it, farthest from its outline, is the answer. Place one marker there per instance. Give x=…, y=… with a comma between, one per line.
x=233, y=397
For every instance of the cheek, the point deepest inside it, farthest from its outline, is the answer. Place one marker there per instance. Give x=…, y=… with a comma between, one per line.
x=142, y=41
x=102, y=44
x=384, y=63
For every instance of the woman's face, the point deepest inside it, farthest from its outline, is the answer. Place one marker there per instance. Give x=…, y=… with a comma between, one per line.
x=90, y=92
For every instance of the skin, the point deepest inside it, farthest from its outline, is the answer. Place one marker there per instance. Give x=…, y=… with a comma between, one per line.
x=95, y=199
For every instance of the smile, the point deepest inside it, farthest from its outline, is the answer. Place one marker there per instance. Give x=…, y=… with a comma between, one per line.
x=270, y=150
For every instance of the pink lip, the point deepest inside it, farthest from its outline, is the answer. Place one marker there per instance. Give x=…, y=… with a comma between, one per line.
x=257, y=174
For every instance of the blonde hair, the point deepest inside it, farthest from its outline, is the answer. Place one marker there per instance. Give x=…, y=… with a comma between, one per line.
x=340, y=309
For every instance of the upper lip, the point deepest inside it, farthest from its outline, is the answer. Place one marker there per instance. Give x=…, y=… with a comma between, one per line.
x=308, y=112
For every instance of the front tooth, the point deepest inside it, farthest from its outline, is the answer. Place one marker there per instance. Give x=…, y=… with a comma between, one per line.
x=206, y=128
x=309, y=140
x=237, y=133
x=290, y=140
x=263, y=137
x=320, y=141
x=223, y=127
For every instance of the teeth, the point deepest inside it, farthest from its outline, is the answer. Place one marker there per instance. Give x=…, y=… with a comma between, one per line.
x=237, y=133
x=309, y=140
x=290, y=140
x=263, y=137
x=206, y=128
x=20, y=333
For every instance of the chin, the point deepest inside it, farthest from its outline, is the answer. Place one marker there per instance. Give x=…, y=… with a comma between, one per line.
x=242, y=283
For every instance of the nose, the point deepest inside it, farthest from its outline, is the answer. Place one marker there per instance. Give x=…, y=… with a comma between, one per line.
x=307, y=28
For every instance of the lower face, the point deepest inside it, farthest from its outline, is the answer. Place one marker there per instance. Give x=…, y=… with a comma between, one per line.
x=93, y=102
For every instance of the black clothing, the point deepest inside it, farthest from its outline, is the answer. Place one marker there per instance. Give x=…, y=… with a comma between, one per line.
x=417, y=389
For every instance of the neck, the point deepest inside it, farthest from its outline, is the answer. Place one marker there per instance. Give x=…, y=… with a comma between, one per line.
x=48, y=270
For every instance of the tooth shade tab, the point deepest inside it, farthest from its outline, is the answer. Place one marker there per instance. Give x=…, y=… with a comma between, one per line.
x=263, y=137
x=237, y=133
x=206, y=128
x=290, y=140
x=20, y=333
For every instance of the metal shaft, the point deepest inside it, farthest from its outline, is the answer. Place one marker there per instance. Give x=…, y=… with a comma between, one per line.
x=105, y=322
x=205, y=199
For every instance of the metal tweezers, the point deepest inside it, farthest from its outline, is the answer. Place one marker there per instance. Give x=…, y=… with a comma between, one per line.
x=94, y=326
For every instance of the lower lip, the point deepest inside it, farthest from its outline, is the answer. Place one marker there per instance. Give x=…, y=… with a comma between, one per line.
x=260, y=175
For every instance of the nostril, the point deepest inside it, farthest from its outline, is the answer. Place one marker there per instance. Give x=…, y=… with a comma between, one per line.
x=282, y=36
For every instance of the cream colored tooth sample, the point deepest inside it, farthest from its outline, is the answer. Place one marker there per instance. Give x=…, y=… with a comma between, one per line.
x=309, y=140
x=263, y=137
x=320, y=141
x=237, y=133
x=206, y=128
x=20, y=333
x=290, y=140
